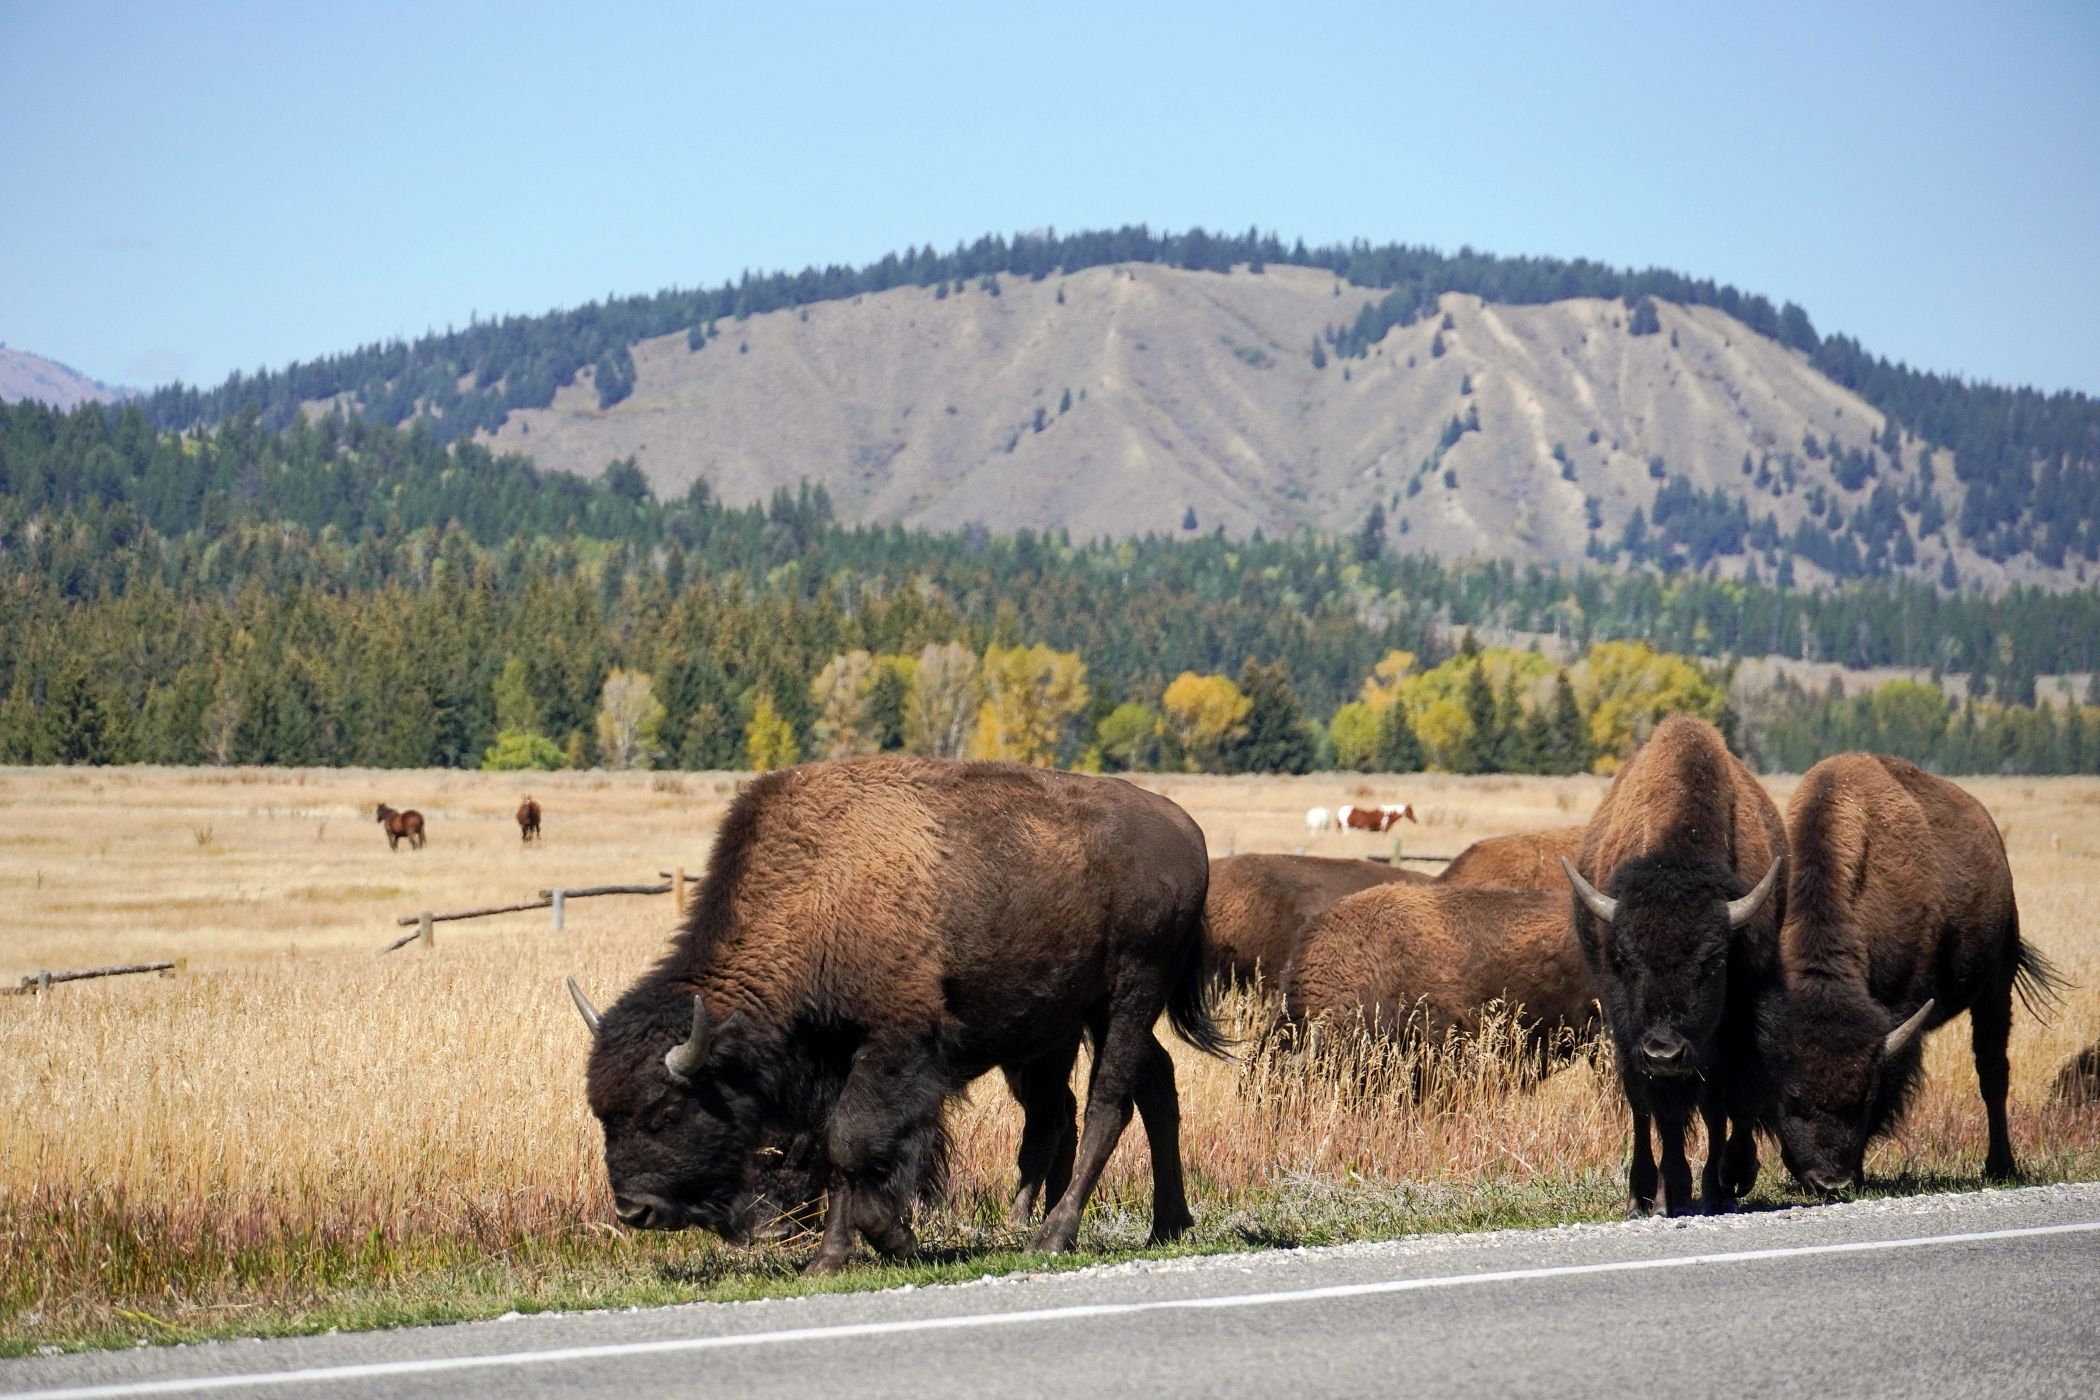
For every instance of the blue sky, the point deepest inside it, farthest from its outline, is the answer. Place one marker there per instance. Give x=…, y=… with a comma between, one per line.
x=188, y=189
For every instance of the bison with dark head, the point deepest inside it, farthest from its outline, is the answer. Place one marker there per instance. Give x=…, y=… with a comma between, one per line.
x=871, y=935
x=1259, y=904
x=1677, y=905
x=1899, y=917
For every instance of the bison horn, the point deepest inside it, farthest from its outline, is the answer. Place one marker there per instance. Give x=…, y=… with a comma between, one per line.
x=1900, y=1038
x=1600, y=904
x=583, y=1005
x=683, y=1059
x=1742, y=911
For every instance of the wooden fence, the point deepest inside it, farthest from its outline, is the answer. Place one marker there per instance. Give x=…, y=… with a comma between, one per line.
x=555, y=900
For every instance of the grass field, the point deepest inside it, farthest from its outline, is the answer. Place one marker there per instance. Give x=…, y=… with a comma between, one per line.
x=295, y=1131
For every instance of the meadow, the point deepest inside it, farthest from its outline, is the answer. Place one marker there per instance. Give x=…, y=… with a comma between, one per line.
x=296, y=1131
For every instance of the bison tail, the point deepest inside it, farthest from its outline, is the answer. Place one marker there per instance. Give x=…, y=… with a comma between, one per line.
x=2040, y=985
x=1191, y=998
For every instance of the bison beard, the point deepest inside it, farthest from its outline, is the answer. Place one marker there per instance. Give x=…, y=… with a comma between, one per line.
x=1899, y=917
x=1677, y=906
x=871, y=935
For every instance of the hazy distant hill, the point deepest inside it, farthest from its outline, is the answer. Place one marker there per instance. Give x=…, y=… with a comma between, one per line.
x=24, y=376
x=1118, y=400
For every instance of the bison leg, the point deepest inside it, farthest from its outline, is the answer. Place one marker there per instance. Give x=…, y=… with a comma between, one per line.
x=1043, y=1088
x=1641, y=1175
x=1716, y=1191
x=883, y=1138
x=1160, y=1106
x=1739, y=1170
x=1119, y=1057
x=1990, y=1026
x=1676, y=1167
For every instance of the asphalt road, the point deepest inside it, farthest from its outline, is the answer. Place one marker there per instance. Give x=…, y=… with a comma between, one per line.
x=1994, y=1293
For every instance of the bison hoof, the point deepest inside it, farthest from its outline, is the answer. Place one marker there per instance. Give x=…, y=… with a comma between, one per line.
x=1054, y=1238
x=2001, y=1170
x=1168, y=1228
x=826, y=1262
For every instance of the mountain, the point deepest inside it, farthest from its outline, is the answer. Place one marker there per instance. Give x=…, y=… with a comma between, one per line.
x=24, y=376
x=1121, y=400
x=1577, y=412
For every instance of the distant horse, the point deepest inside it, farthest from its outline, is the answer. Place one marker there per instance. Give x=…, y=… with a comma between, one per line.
x=400, y=824
x=528, y=819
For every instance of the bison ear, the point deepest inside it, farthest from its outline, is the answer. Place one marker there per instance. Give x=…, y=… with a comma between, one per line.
x=583, y=1005
x=1900, y=1038
x=683, y=1061
x=1598, y=903
x=1742, y=911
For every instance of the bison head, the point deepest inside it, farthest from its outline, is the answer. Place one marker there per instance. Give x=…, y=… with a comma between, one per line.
x=679, y=1099
x=1843, y=1060
x=1658, y=947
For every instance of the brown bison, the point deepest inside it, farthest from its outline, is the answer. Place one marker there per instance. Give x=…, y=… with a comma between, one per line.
x=528, y=819
x=1678, y=905
x=1899, y=917
x=2078, y=1082
x=407, y=824
x=1527, y=861
x=870, y=936
x=1432, y=957
x=1259, y=903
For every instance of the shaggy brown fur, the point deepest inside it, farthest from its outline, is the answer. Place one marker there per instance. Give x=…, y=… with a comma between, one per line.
x=401, y=824
x=528, y=819
x=2078, y=1082
x=1683, y=829
x=871, y=935
x=1529, y=860
x=1259, y=903
x=1898, y=895
x=1432, y=957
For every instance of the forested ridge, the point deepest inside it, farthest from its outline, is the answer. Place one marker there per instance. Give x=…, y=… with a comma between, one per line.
x=348, y=592
x=2028, y=460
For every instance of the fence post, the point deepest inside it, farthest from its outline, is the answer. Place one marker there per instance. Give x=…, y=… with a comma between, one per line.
x=428, y=930
x=560, y=899
x=678, y=888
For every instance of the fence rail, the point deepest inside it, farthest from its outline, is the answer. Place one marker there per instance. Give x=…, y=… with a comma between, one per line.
x=557, y=900
x=37, y=982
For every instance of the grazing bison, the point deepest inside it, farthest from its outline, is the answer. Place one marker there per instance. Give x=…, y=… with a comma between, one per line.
x=400, y=824
x=1380, y=818
x=1527, y=861
x=528, y=819
x=1259, y=904
x=1899, y=917
x=1432, y=957
x=871, y=935
x=2078, y=1082
x=1678, y=905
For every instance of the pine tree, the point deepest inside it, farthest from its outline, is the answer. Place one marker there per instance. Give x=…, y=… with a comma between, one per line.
x=1399, y=749
x=1276, y=737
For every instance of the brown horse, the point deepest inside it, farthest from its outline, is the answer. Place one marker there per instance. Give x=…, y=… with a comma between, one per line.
x=400, y=824
x=528, y=819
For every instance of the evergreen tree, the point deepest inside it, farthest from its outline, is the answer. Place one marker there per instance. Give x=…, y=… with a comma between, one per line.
x=1276, y=738
x=1567, y=748
x=1399, y=749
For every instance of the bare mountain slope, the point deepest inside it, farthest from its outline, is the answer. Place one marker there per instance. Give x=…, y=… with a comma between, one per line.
x=1194, y=390
x=27, y=377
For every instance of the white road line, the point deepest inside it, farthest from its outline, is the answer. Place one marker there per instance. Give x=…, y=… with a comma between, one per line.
x=380, y=1370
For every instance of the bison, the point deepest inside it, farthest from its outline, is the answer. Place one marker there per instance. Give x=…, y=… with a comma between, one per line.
x=1899, y=917
x=1259, y=903
x=1678, y=904
x=1433, y=957
x=871, y=935
x=400, y=824
x=1527, y=861
x=528, y=819
x=2078, y=1080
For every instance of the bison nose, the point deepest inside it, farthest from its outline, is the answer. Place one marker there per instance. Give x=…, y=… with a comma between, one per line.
x=1828, y=1183
x=1663, y=1055
x=635, y=1215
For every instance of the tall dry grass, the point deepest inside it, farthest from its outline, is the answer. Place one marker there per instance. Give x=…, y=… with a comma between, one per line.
x=294, y=1120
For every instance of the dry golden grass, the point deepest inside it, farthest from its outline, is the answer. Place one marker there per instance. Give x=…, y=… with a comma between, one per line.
x=295, y=1130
